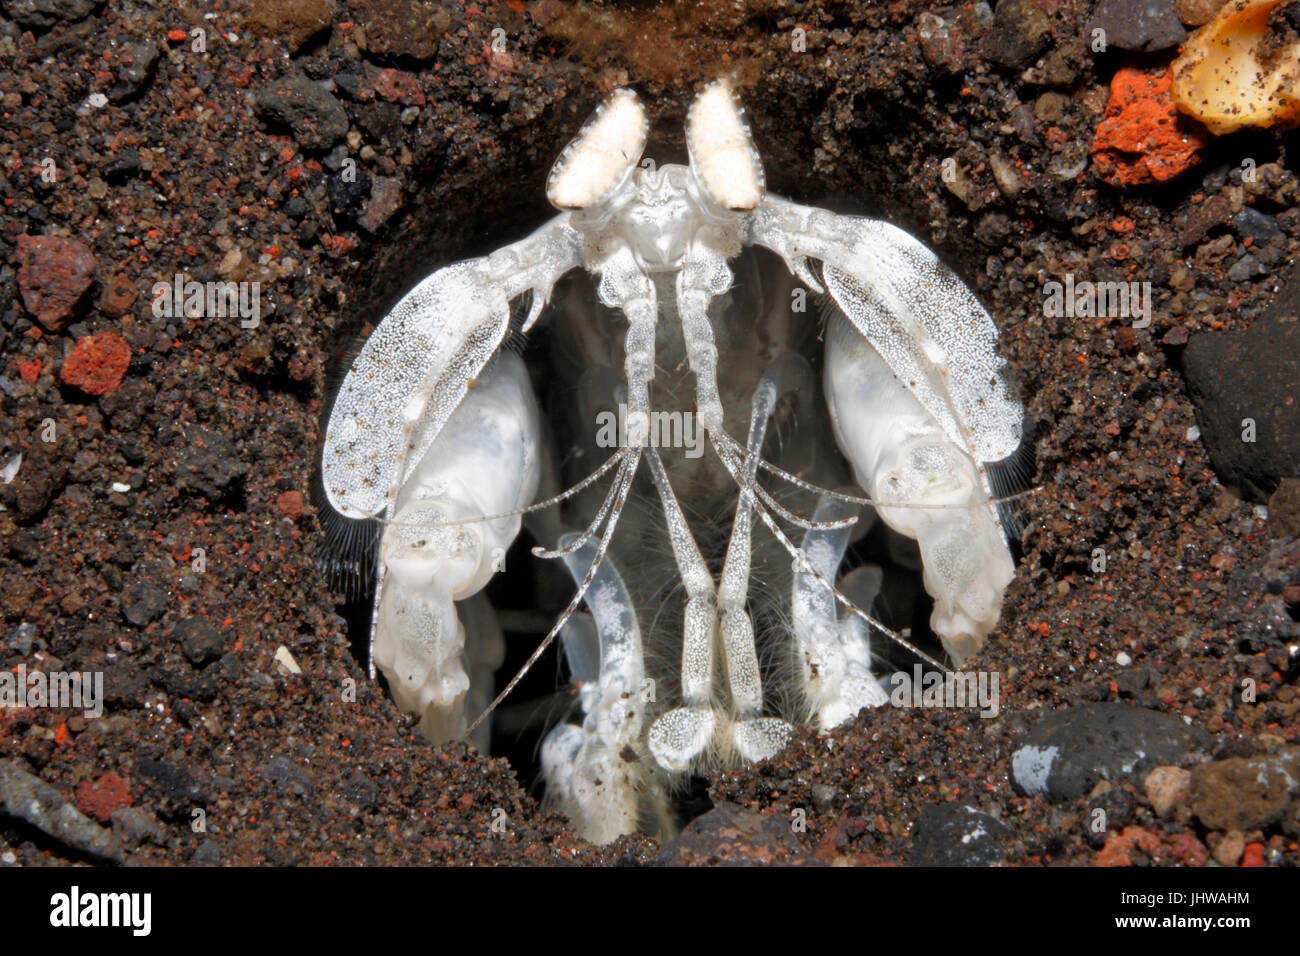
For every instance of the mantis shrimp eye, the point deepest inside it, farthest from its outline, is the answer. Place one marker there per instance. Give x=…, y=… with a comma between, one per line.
x=602, y=156
x=722, y=152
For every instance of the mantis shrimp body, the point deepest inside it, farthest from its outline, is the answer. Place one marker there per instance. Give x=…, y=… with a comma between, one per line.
x=724, y=607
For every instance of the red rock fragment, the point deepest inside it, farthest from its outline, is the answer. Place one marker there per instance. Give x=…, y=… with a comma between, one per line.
x=1118, y=850
x=97, y=363
x=118, y=297
x=100, y=798
x=289, y=504
x=1254, y=855
x=1143, y=138
x=1189, y=851
x=396, y=86
x=54, y=272
x=30, y=371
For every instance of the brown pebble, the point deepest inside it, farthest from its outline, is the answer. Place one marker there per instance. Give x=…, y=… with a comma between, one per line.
x=290, y=504
x=1240, y=793
x=118, y=297
x=1166, y=788
x=293, y=21
x=1230, y=848
x=1197, y=13
x=1050, y=107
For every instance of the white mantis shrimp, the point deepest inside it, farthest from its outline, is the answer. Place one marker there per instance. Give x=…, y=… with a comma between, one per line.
x=683, y=276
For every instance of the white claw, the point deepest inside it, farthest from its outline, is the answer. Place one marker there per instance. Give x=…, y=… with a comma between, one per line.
x=722, y=151
x=485, y=461
x=924, y=485
x=602, y=155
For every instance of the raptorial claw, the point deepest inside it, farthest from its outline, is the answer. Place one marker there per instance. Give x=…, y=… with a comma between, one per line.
x=435, y=552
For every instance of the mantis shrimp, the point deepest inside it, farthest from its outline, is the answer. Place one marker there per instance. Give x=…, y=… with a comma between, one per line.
x=673, y=297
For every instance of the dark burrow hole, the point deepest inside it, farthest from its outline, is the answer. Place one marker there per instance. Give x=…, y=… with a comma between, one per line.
x=546, y=695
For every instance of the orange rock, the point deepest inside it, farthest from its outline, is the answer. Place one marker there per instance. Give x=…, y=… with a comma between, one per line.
x=1254, y=855
x=1119, y=846
x=97, y=363
x=1143, y=138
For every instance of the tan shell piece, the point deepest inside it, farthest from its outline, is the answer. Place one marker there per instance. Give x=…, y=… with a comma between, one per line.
x=1240, y=69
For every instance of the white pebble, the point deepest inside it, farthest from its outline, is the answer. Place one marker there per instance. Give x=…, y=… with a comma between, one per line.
x=285, y=661
x=10, y=469
x=1194, y=433
x=121, y=488
x=97, y=100
x=1123, y=660
x=1031, y=766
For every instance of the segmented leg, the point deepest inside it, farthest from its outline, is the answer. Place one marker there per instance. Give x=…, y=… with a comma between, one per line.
x=616, y=498
x=625, y=286
x=682, y=735
x=704, y=275
x=593, y=772
x=833, y=655
x=756, y=738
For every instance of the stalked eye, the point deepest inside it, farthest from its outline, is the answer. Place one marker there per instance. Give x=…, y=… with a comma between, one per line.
x=592, y=166
x=722, y=152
